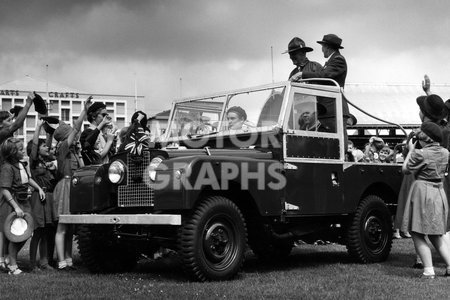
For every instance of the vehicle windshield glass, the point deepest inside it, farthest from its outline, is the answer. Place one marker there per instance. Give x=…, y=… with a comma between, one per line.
x=249, y=111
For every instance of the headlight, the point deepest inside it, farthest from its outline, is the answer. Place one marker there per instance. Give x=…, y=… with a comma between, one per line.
x=116, y=171
x=152, y=167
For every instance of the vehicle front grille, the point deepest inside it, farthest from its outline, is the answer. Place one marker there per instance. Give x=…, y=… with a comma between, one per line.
x=137, y=192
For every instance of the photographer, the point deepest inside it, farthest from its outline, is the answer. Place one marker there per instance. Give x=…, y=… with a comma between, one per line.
x=97, y=140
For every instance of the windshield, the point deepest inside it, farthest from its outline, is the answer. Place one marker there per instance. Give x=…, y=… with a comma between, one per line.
x=230, y=113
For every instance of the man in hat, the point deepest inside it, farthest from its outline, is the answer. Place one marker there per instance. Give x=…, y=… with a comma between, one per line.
x=95, y=146
x=297, y=53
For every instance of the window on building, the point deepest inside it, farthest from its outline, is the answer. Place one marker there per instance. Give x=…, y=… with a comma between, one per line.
x=19, y=131
x=120, y=108
x=120, y=122
x=76, y=107
x=65, y=114
x=65, y=103
x=54, y=106
x=30, y=122
x=18, y=101
x=6, y=104
x=30, y=135
x=110, y=105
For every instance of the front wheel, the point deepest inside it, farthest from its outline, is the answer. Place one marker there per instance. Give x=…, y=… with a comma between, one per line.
x=369, y=237
x=213, y=240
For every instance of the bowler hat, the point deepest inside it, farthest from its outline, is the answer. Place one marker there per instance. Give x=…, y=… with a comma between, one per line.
x=39, y=104
x=332, y=40
x=16, y=110
x=96, y=106
x=50, y=124
x=432, y=130
x=297, y=44
x=18, y=229
x=432, y=106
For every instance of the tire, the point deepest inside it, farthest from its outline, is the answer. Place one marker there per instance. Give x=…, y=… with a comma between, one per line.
x=213, y=240
x=369, y=237
x=102, y=253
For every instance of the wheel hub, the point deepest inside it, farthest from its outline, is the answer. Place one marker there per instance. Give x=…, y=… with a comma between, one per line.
x=217, y=242
x=373, y=230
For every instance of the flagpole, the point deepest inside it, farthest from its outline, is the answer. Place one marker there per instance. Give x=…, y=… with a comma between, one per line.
x=135, y=93
x=271, y=55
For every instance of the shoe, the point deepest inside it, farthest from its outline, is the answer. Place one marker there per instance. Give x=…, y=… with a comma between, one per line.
x=424, y=276
x=396, y=235
x=417, y=265
x=447, y=273
x=407, y=235
x=36, y=269
x=3, y=267
x=16, y=271
x=47, y=267
x=63, y=269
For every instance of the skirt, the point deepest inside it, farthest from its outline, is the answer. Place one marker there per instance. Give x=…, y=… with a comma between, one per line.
x=426, y=209
x=61, y=197
x=43, y=211
x=407, y=182
x=6, y=208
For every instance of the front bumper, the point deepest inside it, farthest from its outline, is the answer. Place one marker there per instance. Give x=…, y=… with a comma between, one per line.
x=118, y=219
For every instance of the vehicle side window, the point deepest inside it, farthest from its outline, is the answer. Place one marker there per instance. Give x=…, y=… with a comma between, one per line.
x=310, y=113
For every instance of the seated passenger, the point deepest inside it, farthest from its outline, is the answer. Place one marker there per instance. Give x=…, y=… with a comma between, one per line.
x=372, y=150
x=353, y=153
x=237, y=119
x=308, y=120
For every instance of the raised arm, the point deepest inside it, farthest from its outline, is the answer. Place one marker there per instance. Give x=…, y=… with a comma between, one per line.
x=34, y=146
x=77, y=124
x=23, y=114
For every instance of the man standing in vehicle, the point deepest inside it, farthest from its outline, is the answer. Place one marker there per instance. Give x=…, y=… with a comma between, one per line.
x=297, y=53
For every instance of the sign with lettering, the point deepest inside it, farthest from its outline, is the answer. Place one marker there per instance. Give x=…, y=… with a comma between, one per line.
x=63, y=95
x=9, y=93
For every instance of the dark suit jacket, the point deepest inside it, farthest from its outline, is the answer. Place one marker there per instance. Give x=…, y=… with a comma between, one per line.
x=335, y=68
x=310, y=66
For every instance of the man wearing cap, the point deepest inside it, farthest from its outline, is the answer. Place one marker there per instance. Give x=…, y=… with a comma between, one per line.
x=95, y=148
x=297, y=53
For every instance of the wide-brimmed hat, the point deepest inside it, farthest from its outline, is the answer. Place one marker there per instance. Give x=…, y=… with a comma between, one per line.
x=62, y=132
x=18, y=229
x=352, y=120
x=16, y=110
x=332, y=40
x=96, y=106
x=39, y=104
x=432, y=130
x=297, y=44
x=432, y=106
x=50, y=124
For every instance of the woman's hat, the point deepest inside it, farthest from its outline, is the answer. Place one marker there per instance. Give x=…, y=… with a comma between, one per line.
x=39, y=104
x=18, y=229
x=432, y=106
x=16, y=110
x=96, y=106
x=62, y=132
x=332, y=40
x=432, y=130
x=50, y=124
x=297, y=44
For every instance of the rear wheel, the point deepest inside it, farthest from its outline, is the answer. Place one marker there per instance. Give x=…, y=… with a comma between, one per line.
x=369, y=237
x=213, y=240
x=101, y=252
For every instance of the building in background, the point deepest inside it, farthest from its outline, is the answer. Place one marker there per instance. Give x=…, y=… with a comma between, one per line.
x=63, y=102
x=158, y=123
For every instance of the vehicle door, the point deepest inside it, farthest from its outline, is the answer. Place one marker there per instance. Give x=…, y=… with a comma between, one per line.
x=313, y=151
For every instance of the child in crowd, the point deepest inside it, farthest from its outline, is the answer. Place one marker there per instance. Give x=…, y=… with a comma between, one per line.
x=372, y=150
x=14, y=184
x=69, y=159
x=43, y=171
x=353, y=153
x=386, y=155
x=426, y=209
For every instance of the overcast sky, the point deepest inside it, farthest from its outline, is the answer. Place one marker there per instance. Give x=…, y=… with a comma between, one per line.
x=104, y=46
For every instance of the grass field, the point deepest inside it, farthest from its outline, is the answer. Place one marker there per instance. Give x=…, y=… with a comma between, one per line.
x=311, y=272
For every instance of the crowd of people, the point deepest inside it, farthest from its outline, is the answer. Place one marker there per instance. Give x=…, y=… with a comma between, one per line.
x=38, y=190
